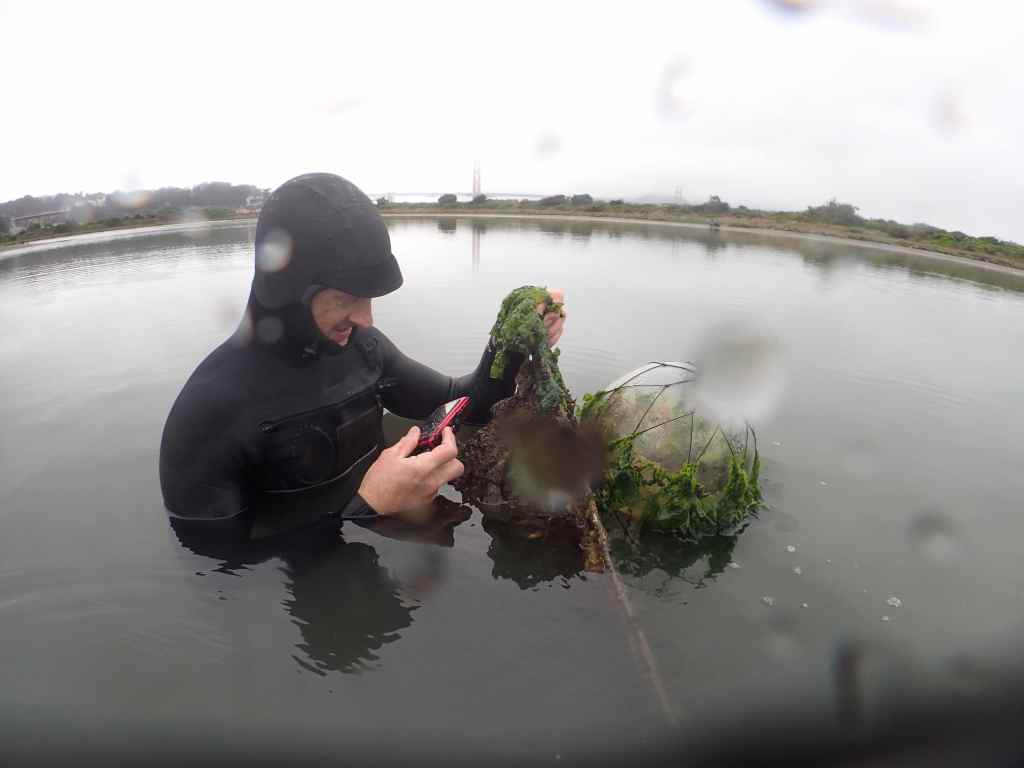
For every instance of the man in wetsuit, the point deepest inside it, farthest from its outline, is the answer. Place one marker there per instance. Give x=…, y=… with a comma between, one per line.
x=281, y=425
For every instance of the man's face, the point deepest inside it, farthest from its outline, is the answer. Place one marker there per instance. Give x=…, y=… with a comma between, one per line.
x=336, y=313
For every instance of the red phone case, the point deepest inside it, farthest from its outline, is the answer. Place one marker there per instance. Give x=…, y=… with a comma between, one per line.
x=445, y=416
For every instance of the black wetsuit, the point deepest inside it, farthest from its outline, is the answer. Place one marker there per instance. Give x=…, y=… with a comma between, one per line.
x=277, y=426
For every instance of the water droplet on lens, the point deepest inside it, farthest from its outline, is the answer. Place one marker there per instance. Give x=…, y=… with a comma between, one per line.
x=274, y=252
x=860, y=457
x=740, y=375
x=197, y=225
x=269, y=330
x=935, y=537
x=548, y=144
x=672, y=102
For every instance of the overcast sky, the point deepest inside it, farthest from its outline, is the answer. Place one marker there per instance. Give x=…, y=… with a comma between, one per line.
x=911, y=110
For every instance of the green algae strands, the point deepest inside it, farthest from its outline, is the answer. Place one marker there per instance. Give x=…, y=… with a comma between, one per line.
x=669, y=468
x=519, y=328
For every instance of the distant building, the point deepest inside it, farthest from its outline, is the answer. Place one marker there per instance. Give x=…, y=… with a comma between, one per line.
x=254, y=202
x=47, y=219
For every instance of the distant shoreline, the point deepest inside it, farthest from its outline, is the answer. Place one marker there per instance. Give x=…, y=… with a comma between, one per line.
x=725, y=223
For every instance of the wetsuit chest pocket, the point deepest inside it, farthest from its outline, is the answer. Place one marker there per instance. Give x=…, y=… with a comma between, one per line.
x=319, y=446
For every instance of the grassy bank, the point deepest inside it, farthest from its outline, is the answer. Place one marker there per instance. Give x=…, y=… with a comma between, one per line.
x=815, y=221
x=827, y=220
x=133, y=221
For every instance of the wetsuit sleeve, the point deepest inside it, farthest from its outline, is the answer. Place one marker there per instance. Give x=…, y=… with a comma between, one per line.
x=413, y=390
x=358, y=509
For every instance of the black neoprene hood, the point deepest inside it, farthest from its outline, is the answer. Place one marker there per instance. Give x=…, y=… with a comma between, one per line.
x=320, y=229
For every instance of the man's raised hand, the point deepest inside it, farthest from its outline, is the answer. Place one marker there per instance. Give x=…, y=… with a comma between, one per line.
x=554, y=322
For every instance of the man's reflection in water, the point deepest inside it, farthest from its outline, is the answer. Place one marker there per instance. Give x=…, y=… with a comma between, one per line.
x=346, y=605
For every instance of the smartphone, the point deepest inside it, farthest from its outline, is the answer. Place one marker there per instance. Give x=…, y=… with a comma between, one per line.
x=448, y=415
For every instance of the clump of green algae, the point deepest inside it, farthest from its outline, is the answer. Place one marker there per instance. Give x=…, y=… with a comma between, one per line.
x=714, y=488
x=711, y=492
x=520, y=329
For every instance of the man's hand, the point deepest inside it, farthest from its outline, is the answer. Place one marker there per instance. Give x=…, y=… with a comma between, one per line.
x=554, y=321
x=399, y=483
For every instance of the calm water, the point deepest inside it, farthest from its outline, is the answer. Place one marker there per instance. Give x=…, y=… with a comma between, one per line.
x=892, y=464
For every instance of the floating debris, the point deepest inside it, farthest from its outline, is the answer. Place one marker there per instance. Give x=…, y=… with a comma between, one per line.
x=828, y=562
x=886, y=618
x=895, y=602
x=734, y=564
x=798, y=570
x=790, y=548
x=804, y=604
x=822, y=482
x=767, y=600
x=776, y=443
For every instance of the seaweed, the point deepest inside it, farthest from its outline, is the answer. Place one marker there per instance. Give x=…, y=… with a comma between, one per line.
x=520, y=329
x=714, y=485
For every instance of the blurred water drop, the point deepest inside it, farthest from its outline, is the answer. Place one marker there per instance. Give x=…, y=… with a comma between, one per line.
x=782, y=641
x=342, y=105
x=948, y=114
x=791, y=6
x=548, y=144
x=860, y=457
x=741, y=375
x=131, y=194
x=894, y=601
x=934, y=536
x=275, y=251
x=198, y=224
x=672, y=103
x=898, y=15
x=768, y=600
x=550, y=463
x=269, y=330
x=790, y=548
